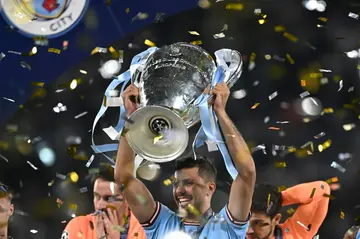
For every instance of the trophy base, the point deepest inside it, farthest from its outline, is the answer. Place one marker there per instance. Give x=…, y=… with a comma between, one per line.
x=157, y=134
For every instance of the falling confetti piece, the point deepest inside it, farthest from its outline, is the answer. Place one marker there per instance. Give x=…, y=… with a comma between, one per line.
x=8, y=99
x=3, y=157
x=353, y=15
x=194, y=33
x=304, y=94
x=204, y=4
x=54, y=50
x=342, y=215
x=234, y=6
x=32, y=165
x=281, y=188
x=219, y=35
x=340, y=85
x=167, y=182
x=290, y=59
x=60, y=176
x=268, y=200
x=157, y=138
x=323, y=19
x=254, y=106
x=320, y=135
x=290, y=37
x=282, y=122
x=2, y=56
x=80, y=115
x=329, y=196
x=149, y=43
x=51, y=183
x=338, y=167
x=140, y=16
x=278, y=58
x=99, y=50
x=312, y=193
x=198, y=42
x=348, y=127
x=274, y=128
x=225, y=27
x=266, y=119
x=23, y=64
x=257, y=11
x=301, y=224
x=280, y=164
x=279, y=28
x=273, y=95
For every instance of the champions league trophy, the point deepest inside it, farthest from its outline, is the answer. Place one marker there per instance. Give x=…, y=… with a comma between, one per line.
x=170, y=81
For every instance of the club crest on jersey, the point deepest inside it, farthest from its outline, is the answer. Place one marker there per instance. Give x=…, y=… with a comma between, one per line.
x=50, y=18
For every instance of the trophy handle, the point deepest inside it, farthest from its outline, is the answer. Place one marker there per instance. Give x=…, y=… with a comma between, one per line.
x=232, y=64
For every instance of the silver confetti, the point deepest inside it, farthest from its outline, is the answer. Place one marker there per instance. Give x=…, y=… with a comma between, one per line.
x=273, y=95
x=282, y=122
x=324, y=70
x=278, y=58
x=267, y=119
x=320, y=135
x=338, y=167
x=219, y=35
x=159, y=17
x=25, y=65
x=32, y=165
x=304, y=94
x=88, y=163
x=340, y=85
x=81, y=115
x=3, y=157
x=353, y=15
x=2, y=56
x=83, y=190
x=351, y=89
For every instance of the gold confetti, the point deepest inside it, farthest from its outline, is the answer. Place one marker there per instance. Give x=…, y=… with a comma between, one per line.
x=323, y=19
x=332, y=180
x=198, y=42
x=254, y=106
x=252, y=56
x=281, y=188
x=73, y=206
x=167, y=182
x=39, y=84
x=194, y=33
x=98, y=50
x=193, y=210
x=127, y=10
x=279, y=28
x=290, y=37
x=291, y=149
x=274, y=128
x=51, y=183
x=290, y=59
x=312, y=193
x=290, y=211
x=234, y=6
x=280, y=164
x=268, y=200
x=4, y=145
x=71, y=150
x=261, y=21
x=157, y=138
x=342, y=215
x=149, y=43
x=54, y=50
x=327, y=111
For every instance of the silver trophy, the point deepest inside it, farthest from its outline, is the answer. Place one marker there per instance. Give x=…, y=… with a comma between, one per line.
x=172, y=78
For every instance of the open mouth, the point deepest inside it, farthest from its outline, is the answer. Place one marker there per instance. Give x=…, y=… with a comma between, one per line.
x=183, y=199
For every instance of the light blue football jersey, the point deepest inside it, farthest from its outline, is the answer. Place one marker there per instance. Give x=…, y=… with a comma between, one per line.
x=220, y=226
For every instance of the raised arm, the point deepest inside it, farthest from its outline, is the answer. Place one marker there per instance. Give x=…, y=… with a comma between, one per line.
x=242, y=188
x=137, y=195
x=313, y=200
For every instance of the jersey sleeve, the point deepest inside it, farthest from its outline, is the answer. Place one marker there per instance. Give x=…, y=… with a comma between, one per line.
x=163, y=221
x=239, y=227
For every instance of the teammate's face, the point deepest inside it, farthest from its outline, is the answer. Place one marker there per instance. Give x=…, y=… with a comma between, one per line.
x=6, y=210
x=107, y=195
x=191, y=189
x=262, y=226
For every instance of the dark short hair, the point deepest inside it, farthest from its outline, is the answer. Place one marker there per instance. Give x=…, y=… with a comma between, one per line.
x=106, y=173
x=207, y=169
x=5, y=191
x=266, y=199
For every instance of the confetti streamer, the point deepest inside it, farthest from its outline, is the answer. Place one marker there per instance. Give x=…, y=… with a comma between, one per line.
x=234, y=6
x=4, y=158
x=255, y=105
x=140, y=16
x=54, y=50
x=342, y=215
x=338, y=167
x=23, y=64
x=290, y=59
x=32, y=165
x=340, y=85
x=268, y=200
x=301, y=224
x=198, y=42
x=274, y=128
x=282, y=122
x=8, y=99
x=290, y=37
x=80, y=115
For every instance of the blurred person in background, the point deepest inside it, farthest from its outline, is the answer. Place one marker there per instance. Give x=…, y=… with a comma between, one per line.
x=112, y=218
x=312, y=200
x=353, y=233
x=6, y=210
x=194, y=186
